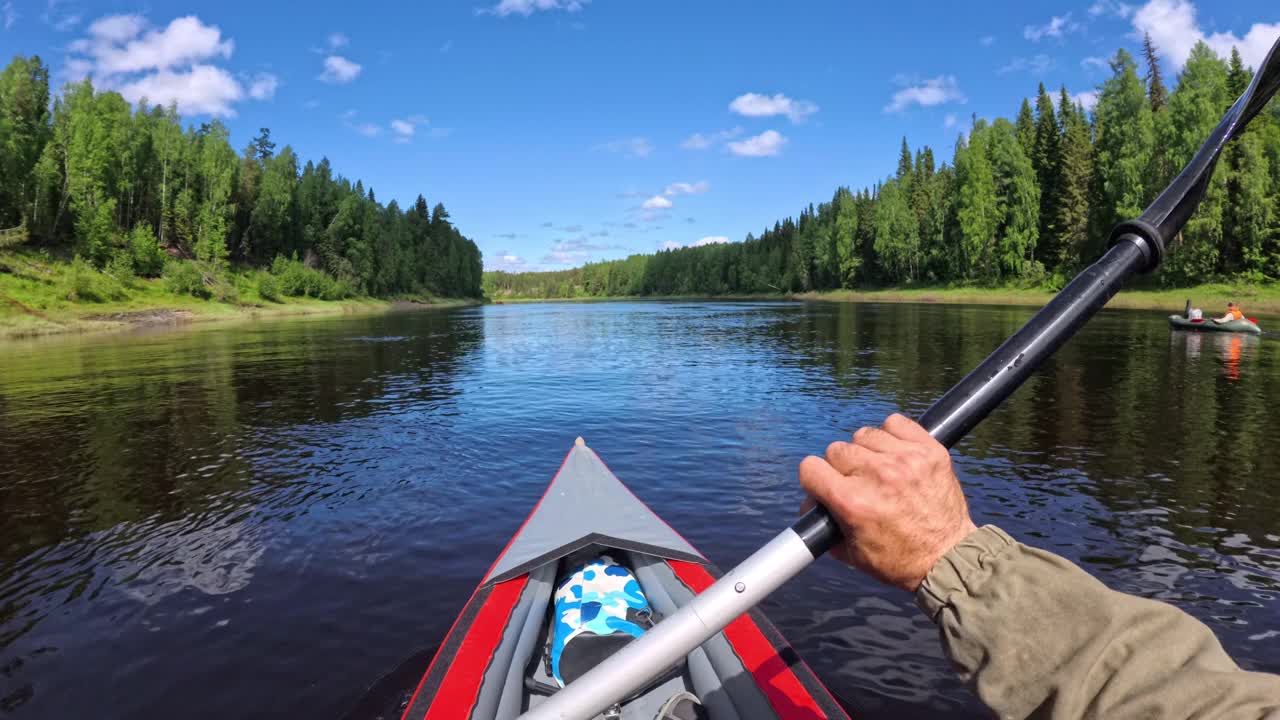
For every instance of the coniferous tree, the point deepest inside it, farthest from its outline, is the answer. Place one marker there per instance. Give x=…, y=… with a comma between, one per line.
x=1046, y=158
x=1071, y=243
x=1027, y=128
x=1195, y=108
x=1122, y=150
x=1157, y=93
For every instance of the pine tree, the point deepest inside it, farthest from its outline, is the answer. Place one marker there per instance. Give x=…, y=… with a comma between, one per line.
x=1195, y=108
x=1027, y=128
x=904, y=161
x=24, y=130
x=1246, y=216
x=1019, y=203
x=1045, y=158
x=976, y=207
x=1072, y=206
x=897, y=242
x=1156, y=91
x=1122, y=151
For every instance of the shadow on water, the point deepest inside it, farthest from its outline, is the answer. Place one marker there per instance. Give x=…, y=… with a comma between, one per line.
x=264, y=520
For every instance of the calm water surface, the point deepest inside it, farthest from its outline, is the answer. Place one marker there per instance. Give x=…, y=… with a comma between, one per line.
x=260, y=521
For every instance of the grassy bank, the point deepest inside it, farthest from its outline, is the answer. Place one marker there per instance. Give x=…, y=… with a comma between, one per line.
x=1213, y=297
x=44, y=296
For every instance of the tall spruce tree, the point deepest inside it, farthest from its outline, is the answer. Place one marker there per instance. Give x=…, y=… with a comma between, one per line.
x=1046, y=159
x=1122, y=150
x=1195, y=108
x=1157, y=93
x=1027, y=127
x=1071, y=243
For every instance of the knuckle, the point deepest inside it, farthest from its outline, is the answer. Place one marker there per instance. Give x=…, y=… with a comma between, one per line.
x=835, y=450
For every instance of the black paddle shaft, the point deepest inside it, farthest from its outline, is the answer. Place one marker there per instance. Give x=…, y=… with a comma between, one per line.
x=1137, y=245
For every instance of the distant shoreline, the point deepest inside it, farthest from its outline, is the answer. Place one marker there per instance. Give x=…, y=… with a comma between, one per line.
x=1256, y=299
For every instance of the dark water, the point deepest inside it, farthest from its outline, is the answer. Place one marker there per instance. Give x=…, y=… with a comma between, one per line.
x=259, y=521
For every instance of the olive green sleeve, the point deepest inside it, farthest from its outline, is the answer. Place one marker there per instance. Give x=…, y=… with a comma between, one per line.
x=1036, y=636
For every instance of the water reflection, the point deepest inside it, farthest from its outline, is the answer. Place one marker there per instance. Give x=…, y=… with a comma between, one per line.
x=311, y=502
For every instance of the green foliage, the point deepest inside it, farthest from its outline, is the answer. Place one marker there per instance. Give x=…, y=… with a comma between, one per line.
x=93, y=175
x=184, y=278
x=78, y=281
x=297, y=280
x=269, y=287
x=147, y=255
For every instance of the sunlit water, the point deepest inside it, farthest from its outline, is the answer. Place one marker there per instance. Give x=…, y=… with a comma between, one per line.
x=259, y=521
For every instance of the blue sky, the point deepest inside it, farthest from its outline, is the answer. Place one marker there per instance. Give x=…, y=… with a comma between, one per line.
x=561, y=131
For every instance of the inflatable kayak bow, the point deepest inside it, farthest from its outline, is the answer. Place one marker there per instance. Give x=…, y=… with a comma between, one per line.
x=1136, y=246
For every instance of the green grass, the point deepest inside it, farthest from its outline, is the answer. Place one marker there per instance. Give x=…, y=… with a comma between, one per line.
x=1213, y=297
x=41, y=295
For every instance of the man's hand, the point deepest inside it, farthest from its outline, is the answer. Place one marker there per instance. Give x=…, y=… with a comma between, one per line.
x=895, y=497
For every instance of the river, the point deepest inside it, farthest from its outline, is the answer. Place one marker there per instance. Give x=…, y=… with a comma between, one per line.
x=261, y=520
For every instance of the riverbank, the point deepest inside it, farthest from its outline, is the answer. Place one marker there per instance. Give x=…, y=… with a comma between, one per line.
x=1256, y=299
x=1213, y=297
x=36, y=300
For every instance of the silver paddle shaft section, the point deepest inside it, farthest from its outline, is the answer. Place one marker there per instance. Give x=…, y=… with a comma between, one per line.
x=679, y=634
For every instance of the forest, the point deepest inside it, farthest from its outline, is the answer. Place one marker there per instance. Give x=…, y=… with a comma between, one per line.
x=133, y=193
x=1023, y=202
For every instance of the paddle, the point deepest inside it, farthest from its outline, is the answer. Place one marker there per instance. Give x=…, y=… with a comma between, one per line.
x=1136, y=246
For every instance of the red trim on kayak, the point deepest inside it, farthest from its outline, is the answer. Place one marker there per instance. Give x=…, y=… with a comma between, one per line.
x=496, y=560
x=457, y=692
x=779, y=684
x=1197, y=320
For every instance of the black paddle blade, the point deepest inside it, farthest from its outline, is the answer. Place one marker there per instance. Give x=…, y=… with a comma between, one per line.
x=1165, y=217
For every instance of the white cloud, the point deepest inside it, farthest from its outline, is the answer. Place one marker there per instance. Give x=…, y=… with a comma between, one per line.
x=8, y=15
x=1100, y=63
x=1174, y=30
x=756, y=105
x=338, y=40
x=175, y=64
x=184, y=41
x=633, y=146
x=987, y=40
x=709, y=240
x=950, y=120
x=1038, y=65
x=1055, y=28
x=657, y=202
x=698, y=141
x=1110, y=7
x=339, y=70
x=68, y=22
x=1088, y=99
x=264, y=86
x=117, y=28
x=203, y=89
x=528, y=7
x=369, y=130
x=939, y=90
x=565, y=257
x=506, y=261
x=765, y=144
x=403, y=129
x=684, y=188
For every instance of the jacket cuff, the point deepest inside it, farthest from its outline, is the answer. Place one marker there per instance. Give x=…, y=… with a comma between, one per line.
x=963, y=569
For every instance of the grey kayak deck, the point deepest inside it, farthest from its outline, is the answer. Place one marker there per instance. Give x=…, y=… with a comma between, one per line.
x=586, y=505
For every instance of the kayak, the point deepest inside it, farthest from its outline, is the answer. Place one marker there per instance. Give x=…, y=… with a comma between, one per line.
x=1247, y=325
x=507, y=651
